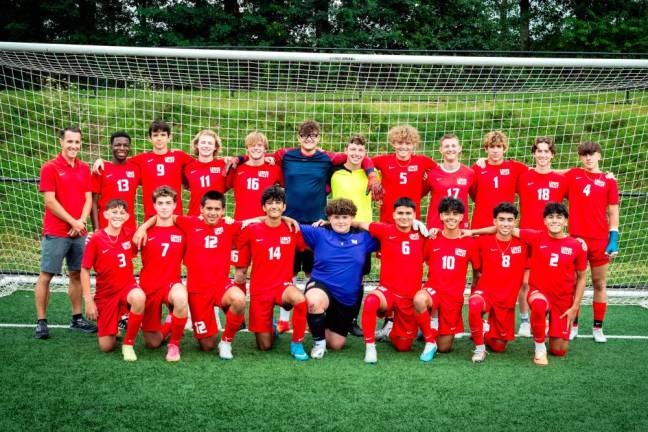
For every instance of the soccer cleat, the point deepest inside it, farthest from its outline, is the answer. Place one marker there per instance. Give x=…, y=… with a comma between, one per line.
x=42, y=332
x=540, y=358
x=428, y=352
x=525, y=330
x=297, y=351
x=173, y=353
x=123, y=323
x=371, y=355
x=129, y=353
x=459, y=335
x=82, y=325
x=356, y=330
x=479, y=356
x=383, y=333
x=599, y=337
x=225, y=350
x=486, y=326
x=318, y=350
x=283, y=326
x=573, y=333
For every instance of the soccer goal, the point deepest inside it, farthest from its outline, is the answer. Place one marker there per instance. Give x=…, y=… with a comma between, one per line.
x=104, y=89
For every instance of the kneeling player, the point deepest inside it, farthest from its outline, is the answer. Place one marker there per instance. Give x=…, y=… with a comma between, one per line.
x=447, y=257
x=400, y=278
x=110, y=252
x=272, y=246
x=503, y=261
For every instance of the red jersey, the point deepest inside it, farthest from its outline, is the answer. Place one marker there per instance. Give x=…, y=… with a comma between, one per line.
x=502, y=269
x=272, y=250
x=159, y=170
x=116, y=181
x=554, y=263
x=447, y=261
x=494, y=184
x=401, y=179
x=249, y=182
x=402, y=257
x=161, y=258
x=202, y=177
x=207, y=255
x=443, y=184
x=536, y=190
x=112, y=259
x=589, y=197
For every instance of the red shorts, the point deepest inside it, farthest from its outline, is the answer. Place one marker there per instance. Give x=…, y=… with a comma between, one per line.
x=201, y=307
x=262, y=309
x=405, y=327
x=450, y=318
x=110, y=311
x=596, y=251
x=558, y=327
x=500, y=319
x=155, y=298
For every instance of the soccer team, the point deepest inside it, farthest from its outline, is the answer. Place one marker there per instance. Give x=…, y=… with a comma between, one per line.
x=283, y=225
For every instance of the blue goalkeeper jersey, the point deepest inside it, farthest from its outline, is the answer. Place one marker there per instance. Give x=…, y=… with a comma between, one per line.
x=339, y=259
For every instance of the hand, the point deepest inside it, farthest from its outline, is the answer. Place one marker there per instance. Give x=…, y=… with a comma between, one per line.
x=270, y=160
x=571, y=315
x=481, y=162
x=375, y=187
x=98, y=166
x=433, y=232
x=228, y=220
x=227, y=160
x=139, y=238
x=612, y=249
x=78, y=225
x=610, y=175
x=231, y=164
x=91, y=310
x=292, y=223
x=420, y=227
x=320, y=223
x=465, y=233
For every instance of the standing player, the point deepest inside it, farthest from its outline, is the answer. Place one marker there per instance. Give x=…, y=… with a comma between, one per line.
x=66, y=186
x=110, y=253
x=400, y=278
x=503, y=262
x=594, y=204
x=272, y=245
x=207, y=172
x=119, y=179
x=160, y=276
x=447, y=257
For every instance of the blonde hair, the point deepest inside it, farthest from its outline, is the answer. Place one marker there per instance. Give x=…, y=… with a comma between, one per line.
x=494, y=138
x=404, y=133
x=208, y=132
x=255, y=137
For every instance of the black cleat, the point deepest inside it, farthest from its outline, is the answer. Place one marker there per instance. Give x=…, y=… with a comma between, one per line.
x=81, y=325
x=122, y=324
x=42, y=332
x=356, y=330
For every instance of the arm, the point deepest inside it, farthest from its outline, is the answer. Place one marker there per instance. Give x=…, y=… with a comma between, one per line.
x=480, y=231
x=361, y=225
x=572, y=312
x=90, y=307
x=95, y=212
x=139, y=238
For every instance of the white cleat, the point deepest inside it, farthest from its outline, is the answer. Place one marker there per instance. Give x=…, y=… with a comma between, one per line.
x=524, y=330
x=371, y=355
x=486, y=326
x=383, y=333
x=225, y=350
x=479, y=356
x=459, y=335
x=599, y=337
x=129, y=353
x=573, y=333
x=318, y=350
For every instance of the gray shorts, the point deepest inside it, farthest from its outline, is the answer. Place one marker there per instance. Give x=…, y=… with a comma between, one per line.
x=55, y=249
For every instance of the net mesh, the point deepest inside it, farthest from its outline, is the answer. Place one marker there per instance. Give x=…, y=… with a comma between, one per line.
x=44, y=91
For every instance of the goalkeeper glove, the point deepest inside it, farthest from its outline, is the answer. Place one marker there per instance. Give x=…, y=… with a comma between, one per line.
x=419, y=226
x=612, y=248
x=374, y=186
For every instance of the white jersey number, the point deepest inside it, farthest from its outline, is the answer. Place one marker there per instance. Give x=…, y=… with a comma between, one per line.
x=506, y=261
x=274, y=253
x=553, y=261
x=448, y=262
x=211, y=242
x=543, y=194
x=160, y=169
x=122, y=185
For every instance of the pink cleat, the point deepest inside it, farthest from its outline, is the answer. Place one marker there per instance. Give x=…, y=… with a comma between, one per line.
x=173, y=353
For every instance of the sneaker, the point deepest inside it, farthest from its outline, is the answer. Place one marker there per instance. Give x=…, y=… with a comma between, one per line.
x=173, y=353
x=371, y=355
x=129, y=353
x=318, y=350
x=540, y=358
x=297, y=351
x=82, y=325
x=428, y=352
x=525, y=330
x=123, y=323
x=225, y=350
x=42, y=332
x=599, y=337
x=486, y=326
x=283, y=326
x=383, y=333
x=573, y=333
x=459, y=335
x=479, y=356
x=356, y=330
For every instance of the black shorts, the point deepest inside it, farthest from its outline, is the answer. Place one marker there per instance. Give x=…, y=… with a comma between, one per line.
x=303, y=261
x=339, y=317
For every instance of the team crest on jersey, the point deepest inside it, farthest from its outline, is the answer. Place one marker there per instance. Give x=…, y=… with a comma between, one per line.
x=412, y=168
x=218, y=231
x=264, y=174
x=169, y=159
x=284, y=240
x=354, y=241
x=566, y=250
x=126, y=245
x=460, y=252
x=599, y=182
x=176, y=238
x=516, y=250
x=462, y=181
x=214, y=170
x=554, y=185
x=130, y=174
x=505, y=171
x=414, y=236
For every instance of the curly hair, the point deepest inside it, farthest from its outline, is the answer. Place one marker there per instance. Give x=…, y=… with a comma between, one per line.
x=404, y=133
x=494, y=138
x=341, y=207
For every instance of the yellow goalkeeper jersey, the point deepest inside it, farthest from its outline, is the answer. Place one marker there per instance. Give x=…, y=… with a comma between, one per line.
x=352, y=185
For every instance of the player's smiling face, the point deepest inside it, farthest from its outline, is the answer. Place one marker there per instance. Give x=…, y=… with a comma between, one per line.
x=256, y=151
x=116, y=216
x=356, y=153
x=206, y=146
x=451, y=219
x=120, y=148
x=403, y=149
x=504, y=223
x=543, y=155
x=309, y=141
x=495, y=153
x=404, y=217
x=160, y=140
x=164, y=207
x=341, y=224
x=591, y=161
x=274, y=208
x=555, y=223
x=450, y=149
x=70, y=144
x=212, y=211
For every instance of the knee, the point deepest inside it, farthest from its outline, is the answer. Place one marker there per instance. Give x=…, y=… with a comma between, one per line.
x=137, y=300
x=74, y=275
x=106, y=346
x=402, y=345
x=538, y=305
x=207, y=344
x=557, y=352
x=475, y=304
x=315, y=305
x=372, y=303
x=239, y=278
x=238, y=302
x=264, y=345
x=496, y=345
x=335, y=345
x=152, y=344
x=420, y=302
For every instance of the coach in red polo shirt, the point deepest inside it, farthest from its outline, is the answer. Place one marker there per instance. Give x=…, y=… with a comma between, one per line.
x=66, y=185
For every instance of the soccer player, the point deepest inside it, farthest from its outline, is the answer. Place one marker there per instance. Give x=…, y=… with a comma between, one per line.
x=333, y=289
x=160, y=276
x=594, y=205
x=207, y=172
x=400, y=278
x=272, y=247
x=402, y=172
x=119, y=179
x=207, y=259
x=110, y=253
x=66, y=186
x=447, y=257
x=450, y=178
x=503, y=261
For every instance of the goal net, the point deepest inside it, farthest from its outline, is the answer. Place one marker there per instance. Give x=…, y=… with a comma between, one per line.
x=103, y=89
